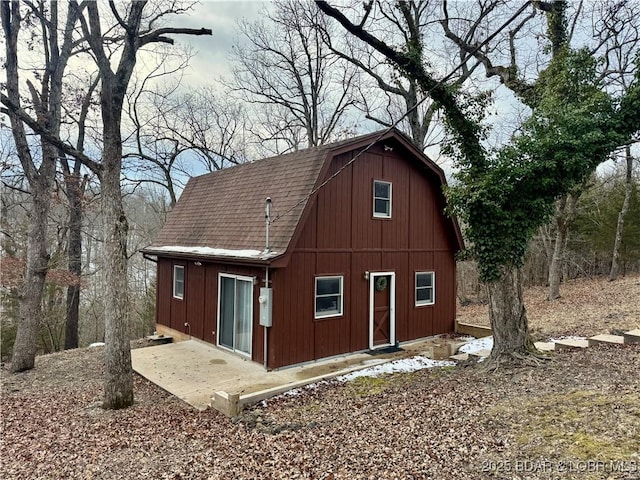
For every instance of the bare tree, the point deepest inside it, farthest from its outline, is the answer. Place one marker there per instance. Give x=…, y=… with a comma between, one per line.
x=613, y=28
x=564, y=216
x=174, y=130
x=394, y=98
x=628, y=186
x=616, y=33
x=74, y=187
x=58, y=43
x=136, y=31
x=300, y=91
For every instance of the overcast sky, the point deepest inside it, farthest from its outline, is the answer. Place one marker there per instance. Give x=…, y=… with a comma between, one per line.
x=211, y=59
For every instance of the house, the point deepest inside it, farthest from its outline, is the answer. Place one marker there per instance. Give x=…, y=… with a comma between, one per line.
x=359, y=253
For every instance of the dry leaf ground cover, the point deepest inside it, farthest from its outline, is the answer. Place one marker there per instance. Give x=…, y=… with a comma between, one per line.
x=587, y=307
x=575, y=416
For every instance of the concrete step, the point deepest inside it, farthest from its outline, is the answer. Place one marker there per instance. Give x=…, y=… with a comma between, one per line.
x=606, y=339
x=481, y=354
x=570, y=344
x=545, y=346
x=632, y=336
x=460, y=357
x=439, y=351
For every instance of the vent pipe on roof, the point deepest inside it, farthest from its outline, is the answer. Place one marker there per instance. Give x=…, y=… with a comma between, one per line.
x=267, y=219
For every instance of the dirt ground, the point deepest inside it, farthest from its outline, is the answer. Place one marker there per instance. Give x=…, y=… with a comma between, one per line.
x=587, y=307
x=574, y=416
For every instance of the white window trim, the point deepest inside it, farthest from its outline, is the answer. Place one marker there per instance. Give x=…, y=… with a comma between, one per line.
x=421, y=303
x=175, y=295
x=341, y=294
x=392, y=308
x=382, y=215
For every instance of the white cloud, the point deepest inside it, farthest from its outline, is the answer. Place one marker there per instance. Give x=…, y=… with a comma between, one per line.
x=212, y=58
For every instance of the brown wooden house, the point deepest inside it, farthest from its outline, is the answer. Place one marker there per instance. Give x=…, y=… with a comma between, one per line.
x=360, y=254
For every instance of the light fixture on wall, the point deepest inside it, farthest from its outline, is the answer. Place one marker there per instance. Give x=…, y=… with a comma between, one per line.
x=197, y=264
x=366, y=275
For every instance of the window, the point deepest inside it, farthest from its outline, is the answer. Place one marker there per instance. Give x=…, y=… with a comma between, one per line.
x=425, y=288
x=328, y=297
x=381, y=199
x=178, y=281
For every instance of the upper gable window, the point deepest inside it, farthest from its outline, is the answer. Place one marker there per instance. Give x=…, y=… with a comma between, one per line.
x=178, y=282
x=381, y=199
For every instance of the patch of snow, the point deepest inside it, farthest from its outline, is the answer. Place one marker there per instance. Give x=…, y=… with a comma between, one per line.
x=403, y=365
x=218, y=252
x=291, y=393
x=96, y=344
x=485, y=343
x=569, y=337
x=465, y=338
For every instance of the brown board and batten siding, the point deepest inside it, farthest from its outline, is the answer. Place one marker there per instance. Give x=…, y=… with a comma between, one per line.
x=341, y=237
x=199, y=307
x=323, y=225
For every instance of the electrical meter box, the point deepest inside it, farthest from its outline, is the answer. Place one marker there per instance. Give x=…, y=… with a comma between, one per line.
x=266, y=301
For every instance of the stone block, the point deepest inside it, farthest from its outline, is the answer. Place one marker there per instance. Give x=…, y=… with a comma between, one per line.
x=632, y=336
x=571, y=344
x=606, y=340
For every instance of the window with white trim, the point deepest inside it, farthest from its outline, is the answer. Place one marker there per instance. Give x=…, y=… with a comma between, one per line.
x=178, y=281
x=328, y=297
x=381, y=199
x=425, y=288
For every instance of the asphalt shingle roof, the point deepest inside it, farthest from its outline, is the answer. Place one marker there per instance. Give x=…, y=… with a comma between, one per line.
x=225, y=210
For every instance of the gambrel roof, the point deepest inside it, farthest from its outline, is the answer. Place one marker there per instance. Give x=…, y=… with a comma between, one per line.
x=222, y=214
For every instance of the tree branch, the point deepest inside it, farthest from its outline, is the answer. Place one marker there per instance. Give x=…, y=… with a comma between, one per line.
x=463, y=128
x=94, y=166
x=159, y=34
x=508, y=75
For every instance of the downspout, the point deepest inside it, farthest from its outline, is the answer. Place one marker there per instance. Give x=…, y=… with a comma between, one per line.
x=267, y=221
x=266, y=329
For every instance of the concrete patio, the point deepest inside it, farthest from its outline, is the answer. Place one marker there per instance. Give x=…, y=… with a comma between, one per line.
x=205, y=376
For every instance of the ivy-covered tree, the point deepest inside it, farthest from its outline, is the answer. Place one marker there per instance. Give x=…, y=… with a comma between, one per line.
x=573, y=128
x=504, y=196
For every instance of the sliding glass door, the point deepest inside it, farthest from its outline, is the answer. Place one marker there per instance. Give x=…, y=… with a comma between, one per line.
x=235, y=313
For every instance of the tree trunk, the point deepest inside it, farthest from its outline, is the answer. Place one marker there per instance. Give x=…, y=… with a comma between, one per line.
x=508, y=317
x=613, y=274
x=557, y=259
x=565, y=213
x=47, y=106
x=118, y=383
x=74, y=189
x=118, y=386
x=25, y=346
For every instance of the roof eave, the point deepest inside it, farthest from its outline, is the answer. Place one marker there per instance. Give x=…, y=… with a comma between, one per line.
x=227, y=260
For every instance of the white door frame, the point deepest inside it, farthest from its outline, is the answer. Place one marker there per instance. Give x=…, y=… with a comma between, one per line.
x=239, y=352
x=392, y=307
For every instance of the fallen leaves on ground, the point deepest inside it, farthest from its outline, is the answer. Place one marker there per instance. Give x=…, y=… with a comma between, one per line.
x=587, y=307
x=575, y=416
